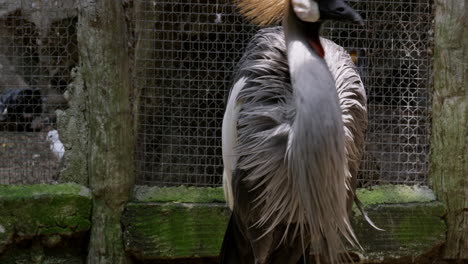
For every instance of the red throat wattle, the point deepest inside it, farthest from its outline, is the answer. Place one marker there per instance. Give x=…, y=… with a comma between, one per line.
x=313, y=38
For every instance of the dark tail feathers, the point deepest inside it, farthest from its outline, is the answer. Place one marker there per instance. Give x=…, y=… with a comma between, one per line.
x=236, y=247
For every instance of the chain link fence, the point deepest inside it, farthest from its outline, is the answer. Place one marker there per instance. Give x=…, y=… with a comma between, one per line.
x=184, y=56
x=38, y=49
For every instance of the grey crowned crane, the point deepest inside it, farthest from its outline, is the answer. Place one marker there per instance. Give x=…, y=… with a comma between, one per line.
x=292, y=137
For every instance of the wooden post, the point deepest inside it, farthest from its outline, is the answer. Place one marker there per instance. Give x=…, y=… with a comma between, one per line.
x=449, y=143
x=104, y=58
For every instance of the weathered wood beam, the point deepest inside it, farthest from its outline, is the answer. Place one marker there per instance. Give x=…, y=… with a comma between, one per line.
x=104, y=59
x=449, y=142
x=190, y=222
x=73, y=129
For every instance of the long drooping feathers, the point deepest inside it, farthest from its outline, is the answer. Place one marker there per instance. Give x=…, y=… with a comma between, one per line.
x=266, y=116
x=353, y=100
x=316, y=146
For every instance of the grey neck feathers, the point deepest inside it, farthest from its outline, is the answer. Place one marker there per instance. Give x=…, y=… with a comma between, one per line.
x=310, y=75
x=314, y=88
x=316, y=151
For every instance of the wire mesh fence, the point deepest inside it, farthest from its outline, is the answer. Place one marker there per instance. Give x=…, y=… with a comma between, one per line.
x=195, y=46
x=184, y=56
x=37, y=51
x=394, y=59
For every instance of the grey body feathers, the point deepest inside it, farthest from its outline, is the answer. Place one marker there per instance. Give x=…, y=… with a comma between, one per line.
x=262, y=160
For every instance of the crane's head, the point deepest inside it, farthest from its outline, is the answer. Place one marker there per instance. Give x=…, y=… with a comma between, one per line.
x=267, y=12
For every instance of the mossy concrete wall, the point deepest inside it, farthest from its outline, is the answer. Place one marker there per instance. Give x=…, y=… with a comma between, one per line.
x=36, y=218
x=51, y=223
x=190, y=222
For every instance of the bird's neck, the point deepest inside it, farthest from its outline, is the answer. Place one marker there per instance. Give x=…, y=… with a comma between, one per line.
x=318, y=124
x=307, y=66
x=306, y=32
x=316, y=150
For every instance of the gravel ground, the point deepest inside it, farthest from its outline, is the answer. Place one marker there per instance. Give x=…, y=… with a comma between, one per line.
x=25, y=158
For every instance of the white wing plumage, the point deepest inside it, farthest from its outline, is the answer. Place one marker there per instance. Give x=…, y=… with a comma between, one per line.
x=229, y=139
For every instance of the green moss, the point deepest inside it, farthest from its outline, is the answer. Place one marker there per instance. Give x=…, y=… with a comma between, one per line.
x=164, y=230
x=428, y=226
x=30, y=191
x=395, y=194
x=174, y=230
x=410, y=229
x=385, y=194
x=181, y=194
x=164, y=227
x=40, y=210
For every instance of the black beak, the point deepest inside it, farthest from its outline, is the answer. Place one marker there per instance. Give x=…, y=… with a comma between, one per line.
x=338, y=10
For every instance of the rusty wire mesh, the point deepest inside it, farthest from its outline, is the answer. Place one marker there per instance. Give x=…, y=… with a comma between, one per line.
x=192, y=48
x=37, y=51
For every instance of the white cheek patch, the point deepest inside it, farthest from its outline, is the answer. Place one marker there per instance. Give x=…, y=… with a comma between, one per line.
x=306, y=10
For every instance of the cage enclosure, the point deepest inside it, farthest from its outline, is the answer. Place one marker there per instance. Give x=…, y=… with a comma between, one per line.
x=192, y=50
x=112, y=111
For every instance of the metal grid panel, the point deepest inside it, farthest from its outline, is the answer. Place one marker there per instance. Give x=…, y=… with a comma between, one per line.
x=184, y=64
x=37, y=51
x=193, y=46
x=393, y=54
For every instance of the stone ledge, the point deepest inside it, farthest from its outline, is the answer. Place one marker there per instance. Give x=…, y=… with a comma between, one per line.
x=384, y=194
x=186, y=222
x=32, y=211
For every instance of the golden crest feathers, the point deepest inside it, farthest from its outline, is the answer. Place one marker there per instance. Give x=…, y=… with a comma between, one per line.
x=262, y=12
